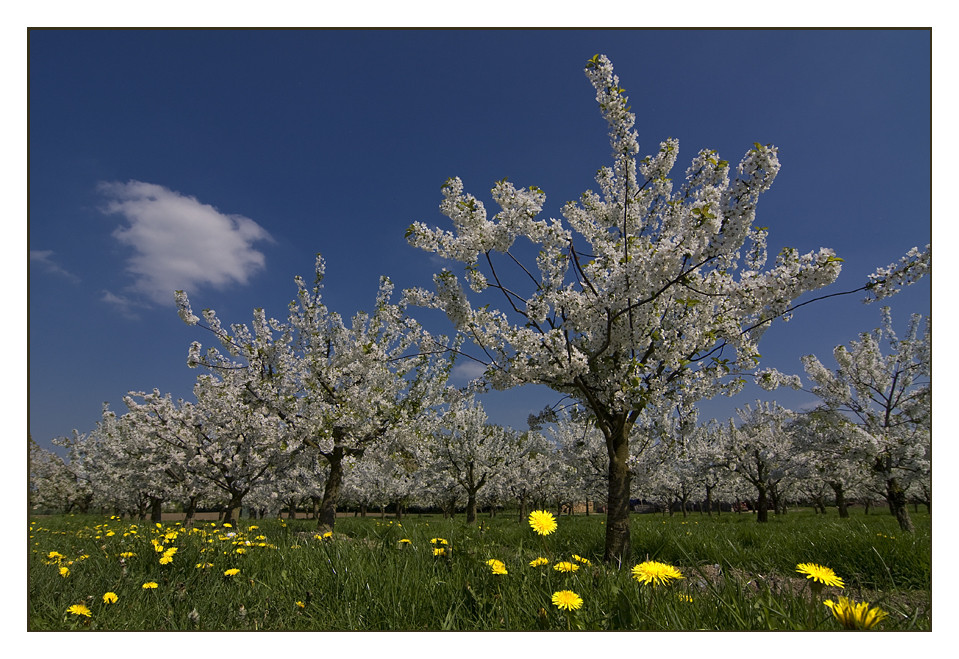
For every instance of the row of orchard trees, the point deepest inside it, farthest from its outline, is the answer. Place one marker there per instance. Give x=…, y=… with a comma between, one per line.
x=647, y=297
x=869, y=438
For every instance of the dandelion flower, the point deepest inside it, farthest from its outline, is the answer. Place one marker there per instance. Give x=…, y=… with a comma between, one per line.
x=497, y=566
x=584, y=561
x=110, y=598
x=406, y=541
x=536, y=562
x=166, y=560
x=201, y=566
x=64, y=572
x=127, y=554
x=655, y=573
x=240, y=550
x=439, y=551
x=567, y=599
x=565, y=566
x=855, y=615
x=819, y=574
x=149, y=585
x=440, y=541
x=542, y=522
x=300, y=605
x=232, y=572
x=79, y=610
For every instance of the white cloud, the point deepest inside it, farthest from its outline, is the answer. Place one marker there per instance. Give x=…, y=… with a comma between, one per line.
x=122, y=304
x=179, y=242
x=466, y=371
x=44, y=258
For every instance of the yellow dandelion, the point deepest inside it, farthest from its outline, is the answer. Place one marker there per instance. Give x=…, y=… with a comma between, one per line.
x=232, y=572
x=64, y=572
x=166, y=560
x=536, y=562
x=584, y=561
x=439, y=551
x=542, y=522
x=439, y=541
x=855, y=615
x=79, y=610
x=127, y=554
x=240, y=550
x=110, y=598
x=819, y=574
x=300, y=605
x=567, y=599
x=497, y=566
x=565, y=566
x=655, y=573
x=406, y=541
x=55, y=556
x=149, y=585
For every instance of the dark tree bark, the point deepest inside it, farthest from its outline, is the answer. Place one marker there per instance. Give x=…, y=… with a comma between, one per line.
x=618, y=541
x=896, y=497
x=837, y=487
x=156, y=510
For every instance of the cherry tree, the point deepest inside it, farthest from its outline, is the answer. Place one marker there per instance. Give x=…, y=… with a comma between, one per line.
x=583, y=449
x=339, y=388
x=885, y=399
x=53, y=484
x=759, y=450
x=832, y=453
x=471, y=450
x=106, y=471
x=648, y=294
x=226, y=439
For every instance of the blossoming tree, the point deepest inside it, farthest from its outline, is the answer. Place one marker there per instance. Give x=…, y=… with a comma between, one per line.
x=227, y=439
x=471, y=450
x=650, y=293
x=886, y=399
x=759, y=451
x=340, y=389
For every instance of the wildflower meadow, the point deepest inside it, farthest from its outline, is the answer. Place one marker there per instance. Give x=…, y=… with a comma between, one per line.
x=801, y=571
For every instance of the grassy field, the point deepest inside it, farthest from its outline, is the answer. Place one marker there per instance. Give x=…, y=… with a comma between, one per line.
x=384, y=574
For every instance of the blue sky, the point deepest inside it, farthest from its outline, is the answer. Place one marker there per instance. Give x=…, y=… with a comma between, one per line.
x=266, y=147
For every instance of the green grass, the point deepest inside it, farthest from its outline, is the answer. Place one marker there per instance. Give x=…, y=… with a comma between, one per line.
x=739, y=575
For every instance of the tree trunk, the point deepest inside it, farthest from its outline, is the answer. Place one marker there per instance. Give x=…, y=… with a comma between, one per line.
x=762, y=505
x=618, y=545
x=331, y=491
x=190, y=512
x=233, y=508
x=470, y=506
x=840, y=499
x=897, y=504
x=156, y=510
